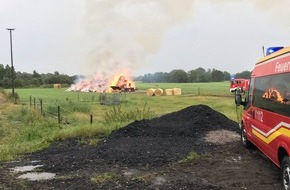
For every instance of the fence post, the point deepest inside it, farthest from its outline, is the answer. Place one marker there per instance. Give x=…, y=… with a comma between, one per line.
x=40, y=106
x=34, y=104
x=198, y=91
x=91, y=119
x=58, y=115
x=30, y=101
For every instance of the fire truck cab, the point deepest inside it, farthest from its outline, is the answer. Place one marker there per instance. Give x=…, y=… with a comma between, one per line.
x=239, y=84
x=265, y=119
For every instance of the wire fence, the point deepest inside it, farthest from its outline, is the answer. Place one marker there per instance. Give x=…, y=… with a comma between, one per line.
x=62, y=113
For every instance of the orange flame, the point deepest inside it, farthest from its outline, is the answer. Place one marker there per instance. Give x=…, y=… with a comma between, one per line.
x=121, y=80
x=100, y=84
x=273, y=94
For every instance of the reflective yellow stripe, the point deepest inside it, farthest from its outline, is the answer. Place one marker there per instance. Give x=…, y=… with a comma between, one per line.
x=272, y=136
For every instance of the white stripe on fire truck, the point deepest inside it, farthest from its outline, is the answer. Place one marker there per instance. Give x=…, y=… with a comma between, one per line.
x=281, y=128
x=281, y=124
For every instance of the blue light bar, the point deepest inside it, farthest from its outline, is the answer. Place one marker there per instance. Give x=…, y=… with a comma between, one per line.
x=273, y=49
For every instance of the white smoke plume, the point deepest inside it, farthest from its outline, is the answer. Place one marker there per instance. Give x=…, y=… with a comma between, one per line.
x=121, y=33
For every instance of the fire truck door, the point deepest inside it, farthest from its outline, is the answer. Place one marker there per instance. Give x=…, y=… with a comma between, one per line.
x=261, y=130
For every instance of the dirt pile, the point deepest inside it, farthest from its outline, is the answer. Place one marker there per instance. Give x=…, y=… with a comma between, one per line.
x=168, y=138
x=146, y=143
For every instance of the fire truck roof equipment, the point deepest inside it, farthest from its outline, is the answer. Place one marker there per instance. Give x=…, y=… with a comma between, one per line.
x=271, y=50
x=274, y=54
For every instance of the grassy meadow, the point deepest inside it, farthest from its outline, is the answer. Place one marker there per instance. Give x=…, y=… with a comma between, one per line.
x=26, y=126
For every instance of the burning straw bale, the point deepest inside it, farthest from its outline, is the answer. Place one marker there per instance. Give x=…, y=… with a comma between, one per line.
x=102, y=85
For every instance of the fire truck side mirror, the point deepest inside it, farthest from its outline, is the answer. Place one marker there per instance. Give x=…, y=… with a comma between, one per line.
x=238, y=99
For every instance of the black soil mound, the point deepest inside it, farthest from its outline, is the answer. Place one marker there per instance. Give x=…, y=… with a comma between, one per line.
x=146, y=143
x=164, y=139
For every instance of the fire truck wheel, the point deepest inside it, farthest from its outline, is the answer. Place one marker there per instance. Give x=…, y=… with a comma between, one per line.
x=285, y=173
x=245, y=142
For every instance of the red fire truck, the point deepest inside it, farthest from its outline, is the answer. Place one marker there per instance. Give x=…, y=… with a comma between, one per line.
x=265, y=119
x=239, y=84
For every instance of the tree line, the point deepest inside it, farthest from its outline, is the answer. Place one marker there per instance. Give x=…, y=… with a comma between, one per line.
x=32, y=80
x=196, y=75
x=35, y=79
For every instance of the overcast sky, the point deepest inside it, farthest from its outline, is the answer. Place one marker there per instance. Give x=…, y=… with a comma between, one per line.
x=143, y=36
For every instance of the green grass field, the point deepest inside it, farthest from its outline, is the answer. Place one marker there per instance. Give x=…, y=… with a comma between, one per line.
x=213, y=88
x=26, y=126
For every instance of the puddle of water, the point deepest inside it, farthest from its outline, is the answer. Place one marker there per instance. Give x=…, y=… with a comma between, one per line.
x=34, y=176
x=25, y=168
x=130, y=172
x=35, y=161
x=13, y=162
x=159, y=180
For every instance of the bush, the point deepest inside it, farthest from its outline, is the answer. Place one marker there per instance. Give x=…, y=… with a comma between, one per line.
x=2, y=91
x=11, y=98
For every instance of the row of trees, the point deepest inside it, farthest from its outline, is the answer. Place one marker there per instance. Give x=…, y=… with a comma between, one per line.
x=177, y=76
x=197, y=75
x=31, y=80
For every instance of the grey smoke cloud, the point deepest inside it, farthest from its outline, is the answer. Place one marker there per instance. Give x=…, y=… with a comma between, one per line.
x=120, y=34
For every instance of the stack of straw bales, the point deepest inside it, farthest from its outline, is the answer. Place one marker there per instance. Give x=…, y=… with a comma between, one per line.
x=173, y=92
x=168, y=92
x=154, y=92
x=176, y=91
x=56, y=85
x=150, y=92
x=159, y=92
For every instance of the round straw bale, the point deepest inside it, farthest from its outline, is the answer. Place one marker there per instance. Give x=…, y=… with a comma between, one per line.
x=176, y=91
x=151, y=92
x=168, y=92
x=158, y=92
